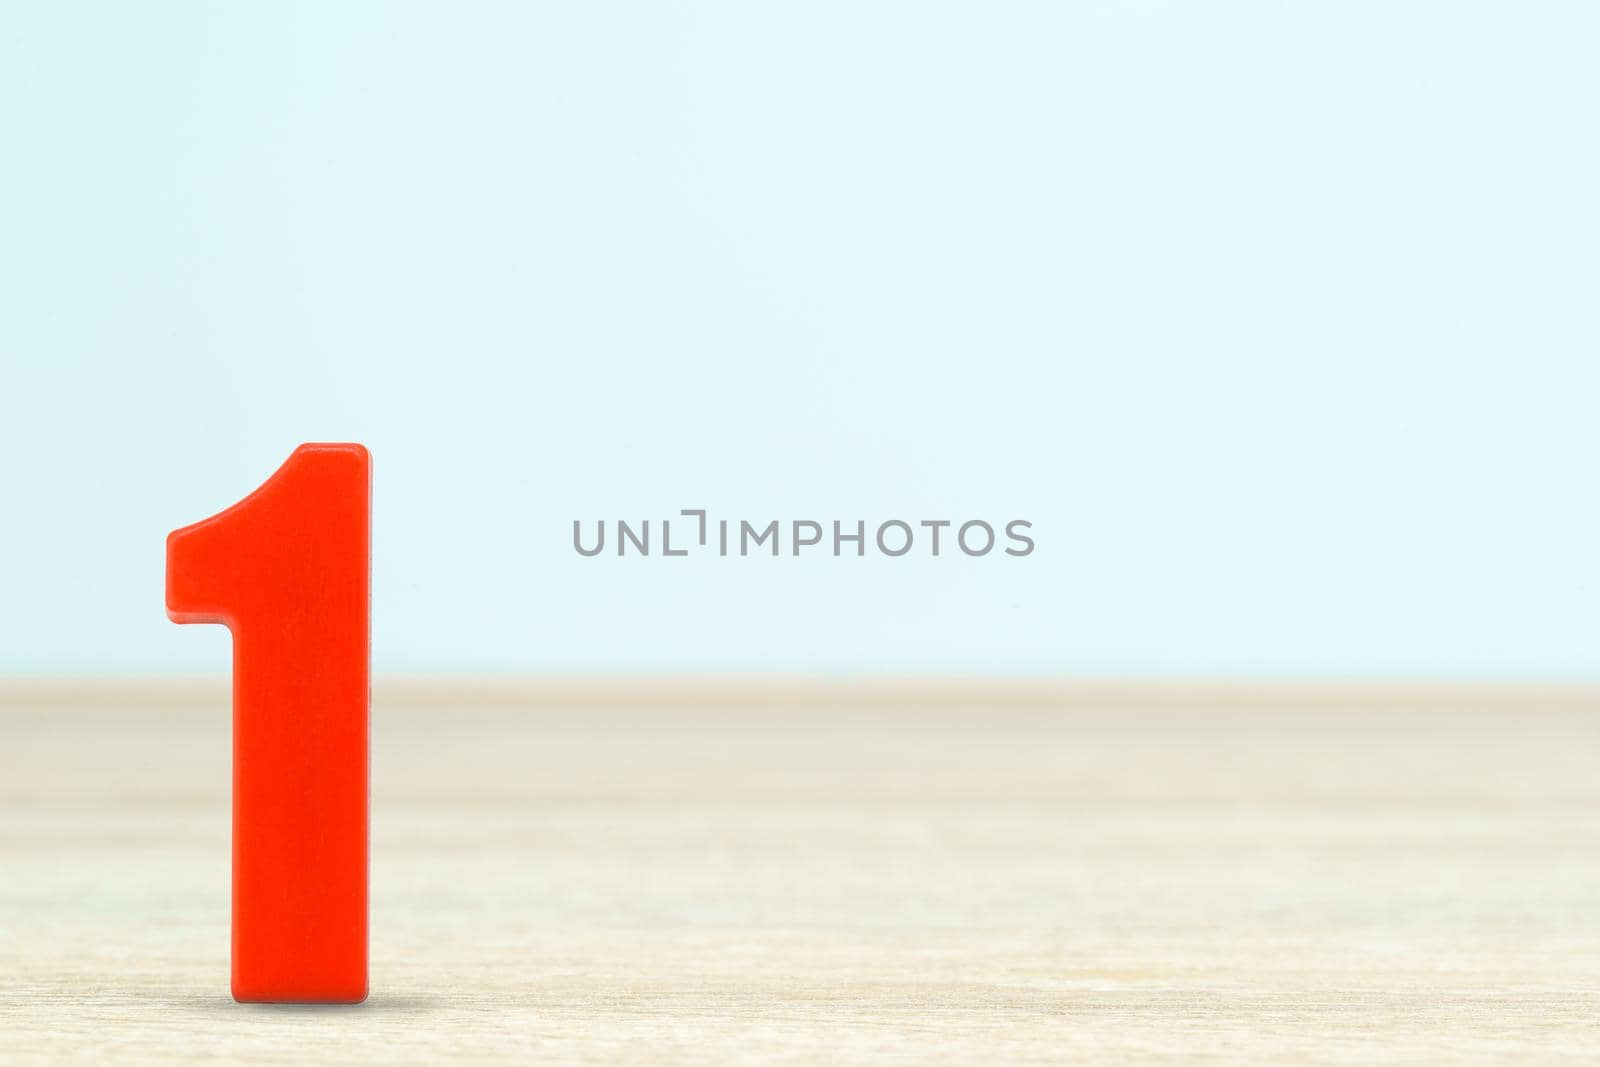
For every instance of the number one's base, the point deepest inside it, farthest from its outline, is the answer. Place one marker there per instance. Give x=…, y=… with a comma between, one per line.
x=286, y=570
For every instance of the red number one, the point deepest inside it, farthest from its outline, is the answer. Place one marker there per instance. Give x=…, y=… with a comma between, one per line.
x=286, y=570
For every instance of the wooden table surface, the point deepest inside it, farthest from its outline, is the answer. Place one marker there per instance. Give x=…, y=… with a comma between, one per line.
x=846, y=884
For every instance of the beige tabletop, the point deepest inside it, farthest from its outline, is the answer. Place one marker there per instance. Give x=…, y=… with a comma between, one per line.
x=916, y=880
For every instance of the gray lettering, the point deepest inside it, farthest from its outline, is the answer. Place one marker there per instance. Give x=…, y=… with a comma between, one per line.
x=798, y=543
x=859, y=537
x=745, y=530
x=624, y=535
x=903, y=548
x=666, y=540
x=1011, y=532
x=701, y=512
x=961, y=537
x=599, y=544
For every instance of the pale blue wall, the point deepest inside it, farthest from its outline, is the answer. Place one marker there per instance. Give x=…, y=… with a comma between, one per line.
x=1279, y=320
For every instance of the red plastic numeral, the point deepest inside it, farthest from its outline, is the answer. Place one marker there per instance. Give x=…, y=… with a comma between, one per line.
x=286, y=570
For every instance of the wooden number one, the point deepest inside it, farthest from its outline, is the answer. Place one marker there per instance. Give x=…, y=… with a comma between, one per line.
x=286, y=570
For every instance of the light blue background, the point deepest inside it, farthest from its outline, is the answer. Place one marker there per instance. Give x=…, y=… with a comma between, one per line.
x=1279, y=320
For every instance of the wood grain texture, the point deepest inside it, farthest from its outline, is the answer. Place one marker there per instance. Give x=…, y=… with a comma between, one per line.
x=878, y=884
